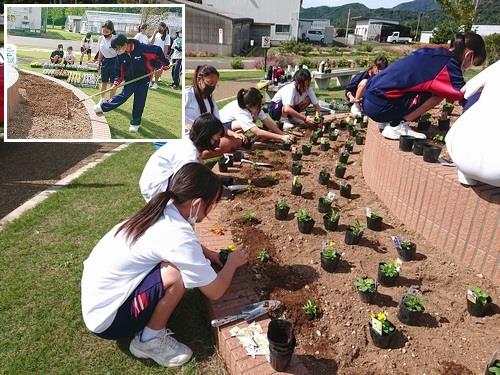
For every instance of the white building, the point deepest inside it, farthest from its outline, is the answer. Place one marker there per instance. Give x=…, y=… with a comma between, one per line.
x=25, y=18
x=124, y=23
x=276, y=18
x=371, y=28
x=485, y=30
x=425, y=36
x=73, y=24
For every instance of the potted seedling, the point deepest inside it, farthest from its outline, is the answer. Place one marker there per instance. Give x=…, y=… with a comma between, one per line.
x=438, y=138
x=388, y=272
x=313, y=138
x=366, y=287
x=281, y=209
x=331, y=219
x=345, y=189
x=381, y=330
x=329, y=257
x=360, y=139
x=224, y=253
x=411, y=307
x=349, y=145
x=418, y=146
x=311, y=309
x=324, y=177
x=250, y=217
x=448, y=108
x=406, y=142
x=494, y=368
x=223, y=164
x=444, y=122
x=287, y=145
x=340, y=170
x=407, y=250
x=306, y=148
x=352, y=130
x=326, y=127
x=333, y=135
x=296, y=186
x=304, y=221
x=354, y=233
x=325, y=144
x=263, y=256
x=374, y=220
x=358, y=119
x=296, y=154
x=364, y=124
x=318, y=120
x=344, y=156
x=272, y=179
x=237, y=156
x=424, y=122
x=325, y=203
x=344, y=123
x=478, y=301
x=296, y=169
x=431, y=153
x=250, y=186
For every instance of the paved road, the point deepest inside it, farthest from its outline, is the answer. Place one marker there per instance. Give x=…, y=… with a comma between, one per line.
x=44, y=43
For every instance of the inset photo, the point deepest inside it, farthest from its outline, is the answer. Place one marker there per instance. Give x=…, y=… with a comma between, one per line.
x=93, y=73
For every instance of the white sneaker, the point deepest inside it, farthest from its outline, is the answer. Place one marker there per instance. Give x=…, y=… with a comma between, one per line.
x=394, y=132
x=464, y=179
x=163, y=349
x=382, y=125
x=150, y=83
x=101, y=101
x=133, y=129
x=287, y=126
x=154, y=86
x=97, y=108
x=356, y=110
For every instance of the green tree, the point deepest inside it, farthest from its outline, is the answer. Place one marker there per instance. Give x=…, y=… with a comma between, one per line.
x=445, y=31
x=463, y=12
x=492, y=47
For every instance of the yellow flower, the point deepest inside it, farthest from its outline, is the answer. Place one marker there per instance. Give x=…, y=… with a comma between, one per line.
x=249, y=182
x=231, y=247
x=372, y=315
x=331, y=245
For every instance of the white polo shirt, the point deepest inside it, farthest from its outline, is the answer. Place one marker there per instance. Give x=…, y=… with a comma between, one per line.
x=232, y=112
x=104, y=47
x=162, y=43
x=164, y=163
x=115, y=268
x=289, y=95
x=142, y=38
x=192, y=109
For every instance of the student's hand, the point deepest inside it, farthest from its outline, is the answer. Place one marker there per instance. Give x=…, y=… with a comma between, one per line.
x=240, y=136
x=213, y=257
x=237, y=258
x=310, y=120
x=166, y=67
x=288, y=138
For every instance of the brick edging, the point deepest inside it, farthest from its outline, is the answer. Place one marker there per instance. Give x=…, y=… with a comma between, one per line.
x=462, y=221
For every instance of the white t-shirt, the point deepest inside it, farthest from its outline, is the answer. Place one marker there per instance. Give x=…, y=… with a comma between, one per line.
x=87, y=43
x=164, y=163
x=115, y=268
x=232, y=112
x=192, y=109
x=69, y=55
x=104, y=47
x=162, y=43
x=177, y=54
x=142, y=38
x=289, y=95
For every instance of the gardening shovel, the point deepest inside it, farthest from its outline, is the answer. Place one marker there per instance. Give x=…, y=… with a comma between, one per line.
x=249, y=313
x=259, y=164
x=237, y=188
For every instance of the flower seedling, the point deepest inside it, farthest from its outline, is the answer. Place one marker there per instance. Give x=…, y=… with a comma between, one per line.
x=341, y=165
x=334, y=215
x=438, y=138
x=390, y=269
x=258, y=153
x=249, y=186
x=318, y=119
x=282, y=205
x=325, y=141
x=327, y=200
x=303, y=216
x=272, y=178
x=425, y=117
x=414, y=303
x=365, y=285
x=374, y=215
x=357, y=228
x=250, y=216
x=324, y=173
x=308, y=144
x=263, y=256
x=381, y=324
x=329, y=250
x=255, y=167
x=311, y=309
x=406, y=245
x=482, y=296
x=495, y=369
x=296, y=182
x=317, y=133
x=224, y=253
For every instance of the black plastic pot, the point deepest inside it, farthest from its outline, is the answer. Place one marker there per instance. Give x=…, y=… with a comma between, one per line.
x=353, y=131
x=423, y=125
x=326, y=127
x=237, y=155
x=431, y=153
x=444, y=125
x=296, y=169
x=360, y=139
x=366, y=297
x=281, y=214
x=374, y=224
x=329, y=265
x=348, y=148
x=230, y=160
x=296, y=190
x=406, y=143
x=296, y=156
x=364, y=124
x=406, y=316
x=418, y=146
x=280, y=360
x=306, y=226
x=306, y=150
x=322, y=207
x=286, y=146
x=477, y=309
x=343, y=157
x=330, y=225
x=324, y=146
x=386, y=280
x=408, y=255
x=323, y=180
x=351, y=238
x=345, y=191
x=313, y=139
x=381, y=341
x=222, y=165
x=339, y=172
x=280, y=335
x=332, y=136
x=223, y=255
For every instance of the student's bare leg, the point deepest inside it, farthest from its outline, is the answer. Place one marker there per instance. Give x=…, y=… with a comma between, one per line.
x=427, y=105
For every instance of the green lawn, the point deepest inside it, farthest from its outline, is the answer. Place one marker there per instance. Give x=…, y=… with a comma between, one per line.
x=232, y=76
x=41, y=265
x=162, y=117
x=52, y=33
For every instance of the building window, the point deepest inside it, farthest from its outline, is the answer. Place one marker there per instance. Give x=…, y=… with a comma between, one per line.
x=283, y=28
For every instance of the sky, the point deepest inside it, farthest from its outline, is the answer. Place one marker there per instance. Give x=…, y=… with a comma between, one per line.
x=368, y=3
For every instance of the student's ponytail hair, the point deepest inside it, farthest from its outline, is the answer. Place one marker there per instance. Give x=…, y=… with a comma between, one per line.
x=109, y=25
x=144, y=26
x=119, y=41
x=192, y=181
x=301, y=76
x=203, y=129
x=200, y=72
x=165, y=30
x=470, y=40
x=381, y=62
x=249, y=97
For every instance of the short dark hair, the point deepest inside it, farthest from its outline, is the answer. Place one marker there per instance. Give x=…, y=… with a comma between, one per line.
x=60, y=46
x=381, y=62
x=109, y=25
x=119, y=41
x=301, y=76
x=203, y=129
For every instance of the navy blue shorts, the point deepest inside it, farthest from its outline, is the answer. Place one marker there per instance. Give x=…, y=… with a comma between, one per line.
x=228, y=125
x=107, y=70
x=382, y=109
x=472, y=100
x=136, y=311
x=276, y=109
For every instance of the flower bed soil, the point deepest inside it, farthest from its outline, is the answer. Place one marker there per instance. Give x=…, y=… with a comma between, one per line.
x=448, y=341
x=42, y=112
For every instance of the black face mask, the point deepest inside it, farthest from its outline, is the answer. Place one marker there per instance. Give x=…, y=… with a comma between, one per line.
x=208, y=90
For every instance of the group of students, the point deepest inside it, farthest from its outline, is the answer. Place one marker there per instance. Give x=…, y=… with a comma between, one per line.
x=59, y=56
x=138, y=272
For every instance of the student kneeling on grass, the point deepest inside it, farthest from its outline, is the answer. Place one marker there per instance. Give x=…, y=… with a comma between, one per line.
x=57, y=56
x=134, y=60
x=294, y=98
x=240, y=115
x=69, y=57
x=138, y=272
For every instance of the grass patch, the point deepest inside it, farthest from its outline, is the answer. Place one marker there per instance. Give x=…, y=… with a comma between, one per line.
x=232, y=76
x=52, y=33
x=41, y=266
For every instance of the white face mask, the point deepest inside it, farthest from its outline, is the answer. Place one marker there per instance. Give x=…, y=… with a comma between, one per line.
x=465, y=66
x=193, y=218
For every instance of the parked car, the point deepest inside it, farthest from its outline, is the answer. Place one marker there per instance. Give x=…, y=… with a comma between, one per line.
x=314, y=36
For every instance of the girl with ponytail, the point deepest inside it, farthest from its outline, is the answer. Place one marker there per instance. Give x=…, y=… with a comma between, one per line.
x=241, y=115
x=138, y=272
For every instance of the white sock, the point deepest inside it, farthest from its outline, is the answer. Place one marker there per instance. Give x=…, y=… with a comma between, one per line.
x=149, y=334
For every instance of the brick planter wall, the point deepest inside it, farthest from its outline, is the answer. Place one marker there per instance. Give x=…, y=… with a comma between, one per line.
x=463, y=222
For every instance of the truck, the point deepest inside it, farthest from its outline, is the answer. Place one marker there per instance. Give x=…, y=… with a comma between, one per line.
x=396, y=38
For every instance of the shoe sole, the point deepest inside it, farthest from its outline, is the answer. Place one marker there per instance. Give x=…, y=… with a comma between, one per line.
x=140, y=354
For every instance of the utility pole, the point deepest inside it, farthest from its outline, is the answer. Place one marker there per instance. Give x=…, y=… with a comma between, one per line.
x=347, y=28
x=418, y=25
